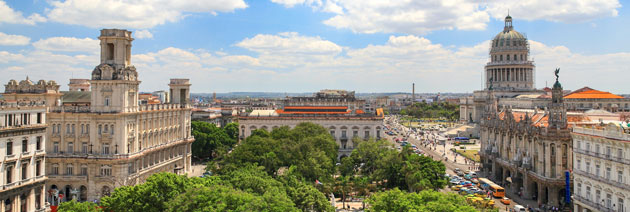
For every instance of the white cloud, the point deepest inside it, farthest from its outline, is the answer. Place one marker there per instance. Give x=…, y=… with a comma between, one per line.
x=141, y=34
x=421, y=17
x=290, y=62
x=13, y=40
x=68, y=44
x=555, y=10
x=15, y=17
x=139, y=14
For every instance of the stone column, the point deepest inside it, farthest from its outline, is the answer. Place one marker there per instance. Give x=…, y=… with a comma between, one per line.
x=541, y=192
x=553, y=196
x=527, y=190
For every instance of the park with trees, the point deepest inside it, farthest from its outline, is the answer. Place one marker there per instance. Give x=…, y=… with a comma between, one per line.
x=289, y=170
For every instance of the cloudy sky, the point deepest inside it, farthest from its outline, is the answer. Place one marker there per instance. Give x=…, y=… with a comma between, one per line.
x=307, y=45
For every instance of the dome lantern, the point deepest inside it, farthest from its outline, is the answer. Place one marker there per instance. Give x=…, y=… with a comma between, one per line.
x=508, y=23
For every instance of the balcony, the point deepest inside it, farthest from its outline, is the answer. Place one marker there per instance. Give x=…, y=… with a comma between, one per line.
x=602, y=180
x=598, y=207
x=602, y=156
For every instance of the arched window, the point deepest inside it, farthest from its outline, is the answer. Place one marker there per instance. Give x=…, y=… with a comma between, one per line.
x=105, y=191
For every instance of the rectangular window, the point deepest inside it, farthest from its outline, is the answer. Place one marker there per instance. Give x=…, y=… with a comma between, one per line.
x=69, y=169
x=84, y=170
x=39, y=118
x=106, y=149
x=24, y=145
x=84, y=147
x=608, y=170
x=38, y=200
x=579, y=164
x=608, y=152
x=588, y=167
x=9, y=148
x=9, y=173
x=24, y=171
x=620, y=176
x=38, y=144
x=597, y=170
x=56, y=147
x=70, y=147
x=620, y=153
x=578, y=191
x=620, y=204
x=38, y=167
x=579, y=145
x=55, y=169
x=332, y=132
x=355, y=133
x=106, y=171
x=367, y=134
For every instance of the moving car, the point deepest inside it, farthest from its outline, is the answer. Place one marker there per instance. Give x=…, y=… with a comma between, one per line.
x=505, y=200
x=519, y=208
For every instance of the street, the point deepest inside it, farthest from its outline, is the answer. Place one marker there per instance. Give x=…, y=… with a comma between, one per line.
x=437, y=152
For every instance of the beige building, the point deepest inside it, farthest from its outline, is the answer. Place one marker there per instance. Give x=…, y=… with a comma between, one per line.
x=601, y=167
x=22, y=138
x=114, y=140
x=528, y=151
x=338, y=111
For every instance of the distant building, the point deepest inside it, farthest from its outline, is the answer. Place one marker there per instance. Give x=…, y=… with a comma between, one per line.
x=209, y=115
x=46, y=92
x=338, y=111
x=601, y=166
x=79, y=85
x=162, y=96
x=22, y=143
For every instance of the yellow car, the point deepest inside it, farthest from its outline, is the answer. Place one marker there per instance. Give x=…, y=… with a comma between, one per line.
x=456, y=187
x=505, y=200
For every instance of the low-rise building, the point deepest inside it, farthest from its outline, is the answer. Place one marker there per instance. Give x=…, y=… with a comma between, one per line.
x=337, y=111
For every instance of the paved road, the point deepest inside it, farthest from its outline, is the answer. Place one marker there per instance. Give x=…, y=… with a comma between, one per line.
x=437, y=155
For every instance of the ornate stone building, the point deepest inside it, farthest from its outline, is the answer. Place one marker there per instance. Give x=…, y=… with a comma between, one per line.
x=22, y=138
x=528, y=151
x=509, y=71
x=114, y=140
x=601, y=167
x=338, y=111
x=46, y=92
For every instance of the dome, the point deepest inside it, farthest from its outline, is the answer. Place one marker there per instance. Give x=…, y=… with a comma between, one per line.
x=41, y=82
x=12, y=82
x=511, y=34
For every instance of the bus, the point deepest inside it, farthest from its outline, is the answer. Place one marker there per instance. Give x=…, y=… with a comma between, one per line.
x=486, y=184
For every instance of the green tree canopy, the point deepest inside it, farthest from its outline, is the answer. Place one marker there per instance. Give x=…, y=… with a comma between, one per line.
x=425, y=201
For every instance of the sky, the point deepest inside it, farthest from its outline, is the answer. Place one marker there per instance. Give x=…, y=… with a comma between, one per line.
x=308, y=45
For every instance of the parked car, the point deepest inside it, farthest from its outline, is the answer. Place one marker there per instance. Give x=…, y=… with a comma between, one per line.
x=506, y=201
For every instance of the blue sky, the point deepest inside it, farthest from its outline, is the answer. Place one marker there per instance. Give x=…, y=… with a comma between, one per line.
x=307, y=45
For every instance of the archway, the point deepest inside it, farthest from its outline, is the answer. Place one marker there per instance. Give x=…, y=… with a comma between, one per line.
x=105, y=191
x=83, y=196
x=67, y=194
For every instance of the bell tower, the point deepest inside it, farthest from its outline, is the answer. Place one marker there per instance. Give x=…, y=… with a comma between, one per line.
x=557, y=111
x=115, y=81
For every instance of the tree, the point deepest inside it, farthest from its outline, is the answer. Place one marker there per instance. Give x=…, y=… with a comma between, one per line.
x=211, y=141
x=74, y=206
x=232, y=130
x=149, y=196
x=397, y=200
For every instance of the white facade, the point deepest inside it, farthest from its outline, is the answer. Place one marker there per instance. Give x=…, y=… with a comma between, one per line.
x=22, y=176
x=601, y=168
x=343, y=129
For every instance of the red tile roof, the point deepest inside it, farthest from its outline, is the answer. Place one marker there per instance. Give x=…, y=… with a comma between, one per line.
x=588, y=93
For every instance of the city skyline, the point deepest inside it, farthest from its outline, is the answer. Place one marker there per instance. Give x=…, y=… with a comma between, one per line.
x=304, y=46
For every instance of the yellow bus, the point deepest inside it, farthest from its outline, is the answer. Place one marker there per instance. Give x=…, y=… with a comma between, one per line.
x=486, y=184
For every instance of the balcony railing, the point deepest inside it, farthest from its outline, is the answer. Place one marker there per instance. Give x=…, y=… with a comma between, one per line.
x=602, y=156
x=594, y=205
x=601, y=179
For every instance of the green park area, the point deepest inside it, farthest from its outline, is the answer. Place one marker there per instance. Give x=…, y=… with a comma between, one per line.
x=470, y=154
x=289, y=169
